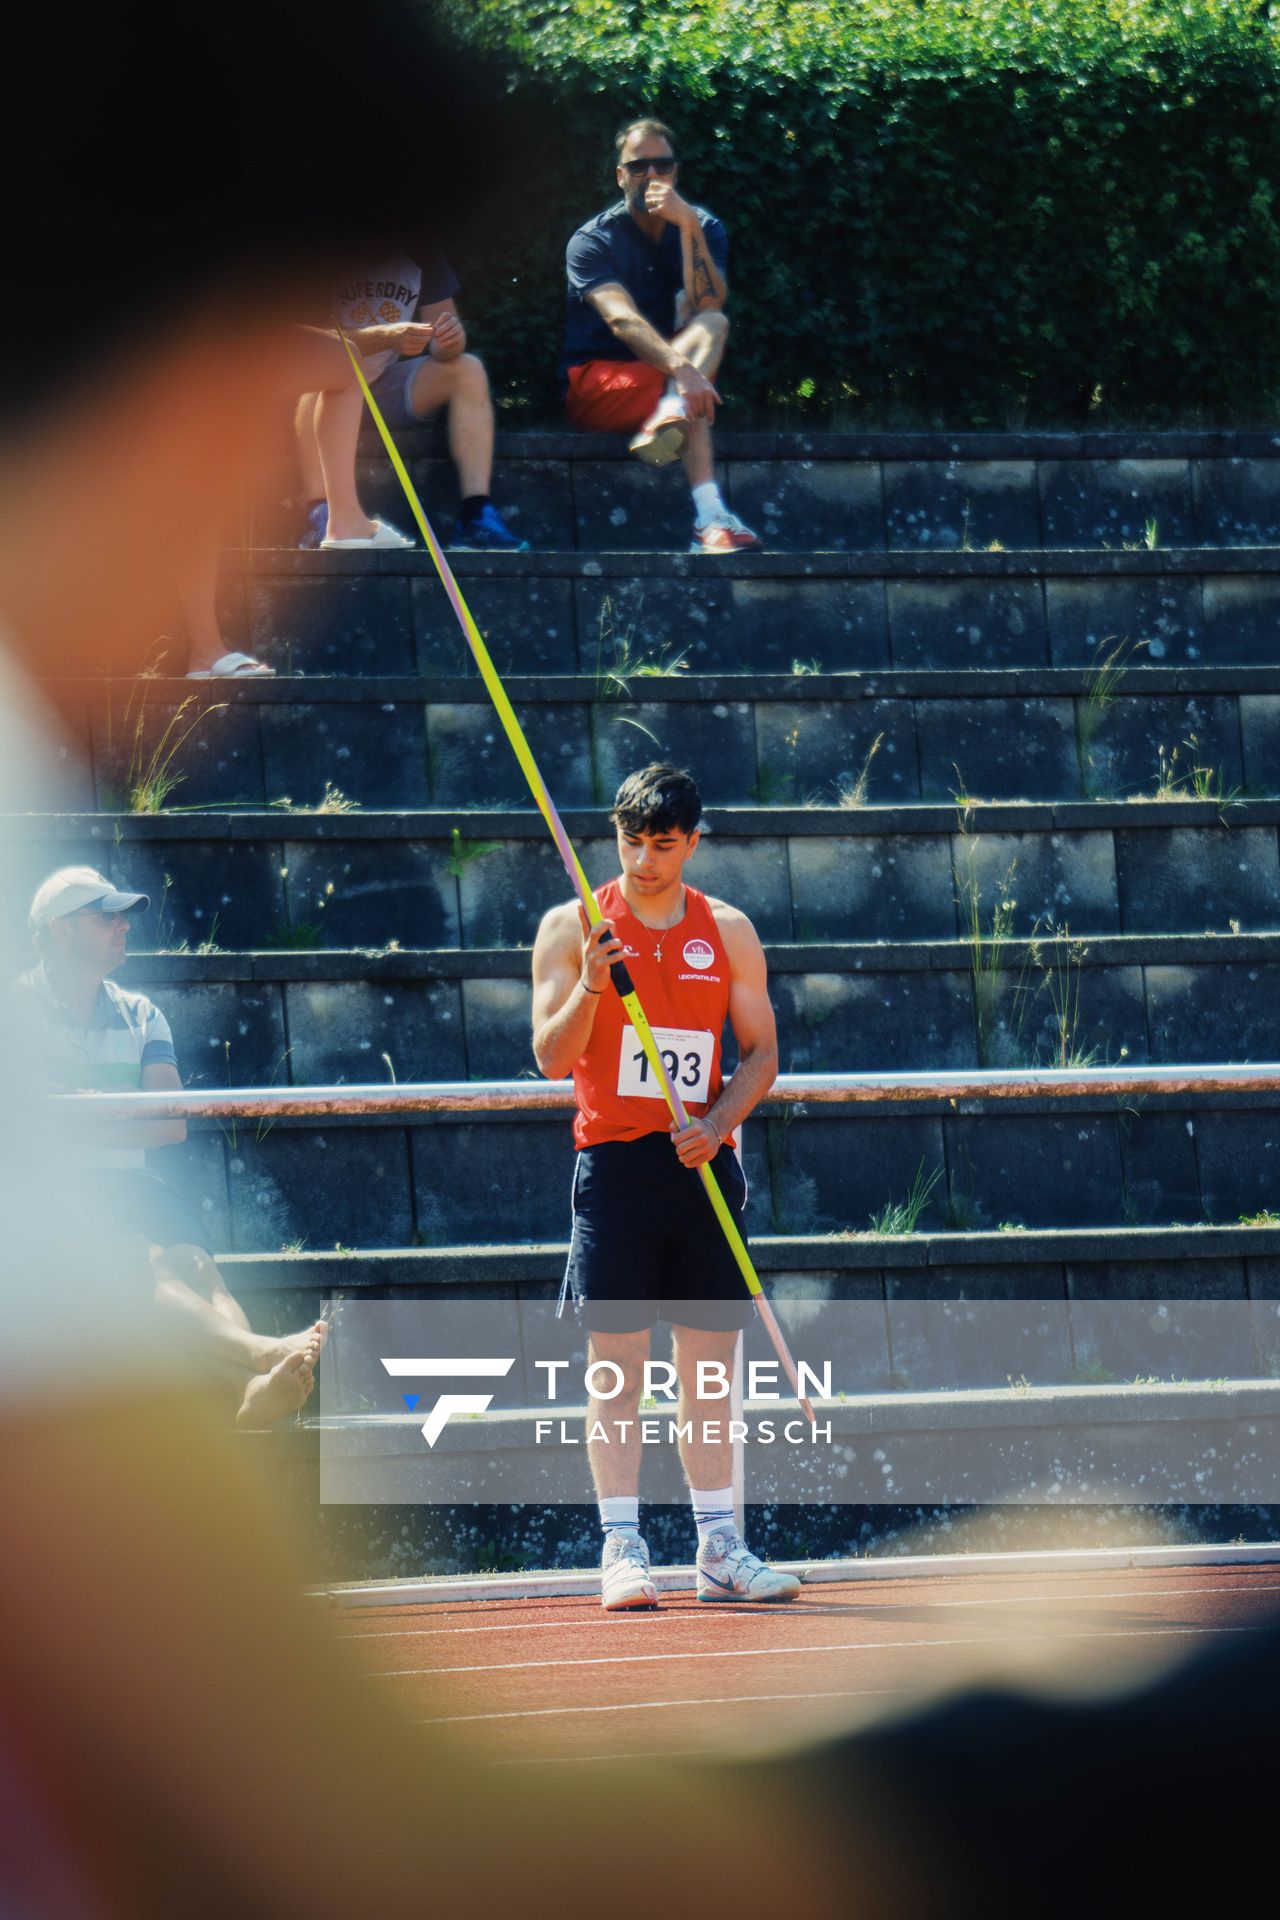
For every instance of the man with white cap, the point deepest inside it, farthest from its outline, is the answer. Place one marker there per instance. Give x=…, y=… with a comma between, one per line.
x=94, y=1035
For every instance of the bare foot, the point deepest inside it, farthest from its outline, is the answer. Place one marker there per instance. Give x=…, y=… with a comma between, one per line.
x=270, y=1396
x=307, y=1342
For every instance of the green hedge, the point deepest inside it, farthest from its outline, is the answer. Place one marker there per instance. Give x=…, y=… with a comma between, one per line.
x=974, y=213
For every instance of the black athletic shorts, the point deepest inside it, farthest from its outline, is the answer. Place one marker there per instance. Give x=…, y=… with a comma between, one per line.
x=135, y=1201
x=646, y=1244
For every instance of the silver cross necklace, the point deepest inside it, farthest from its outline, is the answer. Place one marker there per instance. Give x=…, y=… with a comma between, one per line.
x=660, y=934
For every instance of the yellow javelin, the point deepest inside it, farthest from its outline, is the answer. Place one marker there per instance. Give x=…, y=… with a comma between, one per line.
x=590, y=906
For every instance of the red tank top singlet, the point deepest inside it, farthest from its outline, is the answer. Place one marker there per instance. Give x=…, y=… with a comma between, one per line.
x=686, y=997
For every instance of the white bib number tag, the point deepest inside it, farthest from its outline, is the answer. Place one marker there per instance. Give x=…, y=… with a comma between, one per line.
x=686, y=1054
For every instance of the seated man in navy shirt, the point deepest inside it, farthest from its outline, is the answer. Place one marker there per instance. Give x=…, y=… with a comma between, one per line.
x=636, y=272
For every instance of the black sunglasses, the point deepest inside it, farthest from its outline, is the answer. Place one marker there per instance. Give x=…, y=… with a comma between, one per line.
x=636, y=167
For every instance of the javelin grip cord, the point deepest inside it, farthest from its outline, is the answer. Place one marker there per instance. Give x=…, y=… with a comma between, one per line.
x=547, y=808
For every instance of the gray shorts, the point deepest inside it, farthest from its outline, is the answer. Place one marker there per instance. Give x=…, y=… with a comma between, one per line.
x=393, y=389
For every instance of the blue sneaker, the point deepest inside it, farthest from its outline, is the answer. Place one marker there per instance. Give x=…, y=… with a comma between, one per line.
x=487, y=532
x=317, y=524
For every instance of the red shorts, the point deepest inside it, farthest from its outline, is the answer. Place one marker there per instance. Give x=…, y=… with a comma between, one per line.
x=613, y=396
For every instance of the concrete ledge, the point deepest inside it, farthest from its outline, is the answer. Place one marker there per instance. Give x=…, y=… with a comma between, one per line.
x=943, y=1566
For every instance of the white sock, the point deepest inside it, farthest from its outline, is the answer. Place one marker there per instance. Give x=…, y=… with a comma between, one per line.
x=620, y=1513
x=672, y=395
x=707, y=502
x=712, y=1510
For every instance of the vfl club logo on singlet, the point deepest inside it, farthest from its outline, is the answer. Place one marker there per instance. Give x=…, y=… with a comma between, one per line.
x=700, y=954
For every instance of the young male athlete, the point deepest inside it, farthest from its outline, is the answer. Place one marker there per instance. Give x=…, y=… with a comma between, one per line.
x=646, y=1243
x=646, y=326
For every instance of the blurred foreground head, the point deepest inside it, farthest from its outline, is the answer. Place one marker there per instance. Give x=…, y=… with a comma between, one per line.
x=190, y=183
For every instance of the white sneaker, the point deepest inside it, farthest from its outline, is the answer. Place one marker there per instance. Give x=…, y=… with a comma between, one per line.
x=723, y=533
x=625, y=1580
x=728, y=1570
x=664, y=435
x=383, y=536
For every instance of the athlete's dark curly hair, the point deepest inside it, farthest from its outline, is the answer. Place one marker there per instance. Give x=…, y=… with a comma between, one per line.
x=658, y=799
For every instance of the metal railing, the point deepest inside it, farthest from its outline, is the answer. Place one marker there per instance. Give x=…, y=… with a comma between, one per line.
x=789, y=1089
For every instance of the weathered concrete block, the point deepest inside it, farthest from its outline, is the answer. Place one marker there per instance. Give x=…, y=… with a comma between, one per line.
x=197, y=1172
x=1198, y=879
x=1157, y=1152
x=1055, y=1012
x=810, y=505
x=1260, y=732
x=227, y=1035
x=750, y=874
x=1239, y=1159
x=824, y=749
x=967, y=623
x=1036, y=1170
x=1122, y=756
x=630, y=508
x=365, y=893
x=505, y=890
x=890, y=887
x=497, y=1020
x=228, y=891
x=1214, y=1013
x=716, y=740
x=347, y=1186
x=1092, y=503
x=347, y=1030
x=961, y=503
x=941, y=1336
x=1089, y=619
x=831, y=1176
x=873, y=1022
x=472, y=763
x=1016, y=749
x=1068, y=879
x=527, y=623
x=732, y=626
x=814, y=1308
x=211, y=752
x=1242, y=620
x=1111, y=1347
x=533, y=496
x=512, y=1185
x=353, y=623
x=375, y=755
x=1237, y=502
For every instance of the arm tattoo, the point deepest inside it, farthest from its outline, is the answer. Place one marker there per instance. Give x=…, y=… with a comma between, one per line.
x=703, y=290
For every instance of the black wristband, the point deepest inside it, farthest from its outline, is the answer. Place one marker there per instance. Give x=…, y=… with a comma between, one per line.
x=594, y=991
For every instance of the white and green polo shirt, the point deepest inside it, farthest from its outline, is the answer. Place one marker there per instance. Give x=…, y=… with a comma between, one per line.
x=125, y=1034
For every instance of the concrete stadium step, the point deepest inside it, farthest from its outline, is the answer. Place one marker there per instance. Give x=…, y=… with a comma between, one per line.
x=471, y=879
x=898, y=1349
x=1044, y=733
x=562, y=611
x=1089, y=1162
x=874, y=491
x=308, y=1019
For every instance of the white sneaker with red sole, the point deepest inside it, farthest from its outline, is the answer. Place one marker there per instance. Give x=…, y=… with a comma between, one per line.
x=723, y=533
x=664, y=435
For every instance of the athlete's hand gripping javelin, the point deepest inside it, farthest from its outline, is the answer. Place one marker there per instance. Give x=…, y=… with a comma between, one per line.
x=601, y=950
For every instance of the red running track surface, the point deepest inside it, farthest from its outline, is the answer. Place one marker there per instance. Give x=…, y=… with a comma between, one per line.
x=559, y=1680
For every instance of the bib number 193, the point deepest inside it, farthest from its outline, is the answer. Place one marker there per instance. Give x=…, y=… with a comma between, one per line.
x=686, y=1055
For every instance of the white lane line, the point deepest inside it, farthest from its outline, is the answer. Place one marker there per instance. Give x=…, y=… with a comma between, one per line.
x=649, y=1706
x=863, y=1607
x=778, y=1653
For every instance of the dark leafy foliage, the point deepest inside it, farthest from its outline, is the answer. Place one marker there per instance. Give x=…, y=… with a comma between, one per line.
x=968, y=212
